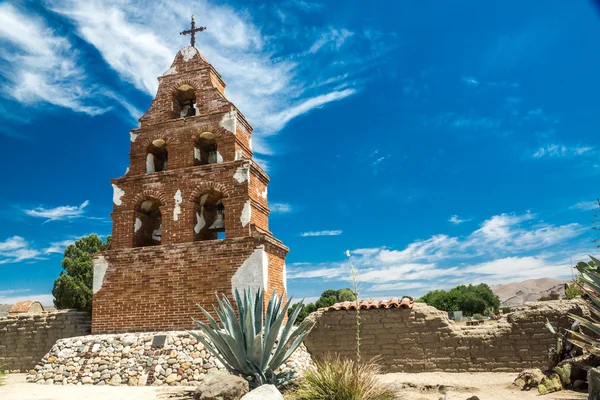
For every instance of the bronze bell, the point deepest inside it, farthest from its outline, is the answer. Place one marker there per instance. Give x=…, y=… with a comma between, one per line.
x=219, y=224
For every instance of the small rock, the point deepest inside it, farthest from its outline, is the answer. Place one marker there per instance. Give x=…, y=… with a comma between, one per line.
x=221, y=385
x=115, y=380
x=264, y=392
x=529, y=379
x=171, y=378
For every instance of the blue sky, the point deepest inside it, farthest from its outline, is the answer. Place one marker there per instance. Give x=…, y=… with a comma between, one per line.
x=441, y=142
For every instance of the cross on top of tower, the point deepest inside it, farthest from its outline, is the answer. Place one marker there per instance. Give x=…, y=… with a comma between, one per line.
x=193, y=31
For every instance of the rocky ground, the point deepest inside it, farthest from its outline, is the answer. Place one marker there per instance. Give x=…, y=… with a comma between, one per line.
x=424, y=386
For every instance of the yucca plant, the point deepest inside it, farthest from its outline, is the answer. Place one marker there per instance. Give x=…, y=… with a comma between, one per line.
x=253, y=343
x=587, y=339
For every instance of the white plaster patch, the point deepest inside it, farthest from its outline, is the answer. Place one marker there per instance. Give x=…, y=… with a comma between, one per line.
x=138, y=225
x=229, y=121
x=253, y=274
x=250, y=143
x=132, y=136
x=219, y=158
x=197, y=154
x=238, y=155
x=117, y=194
x=242, y=174
x=177, y=208
x=171, y=71
x=188, y=53
x=246, y=213
x=100, y=267
x=264, y=193
x=200, y=223
x=284, y=277
x=127, y=171
x=150, y=163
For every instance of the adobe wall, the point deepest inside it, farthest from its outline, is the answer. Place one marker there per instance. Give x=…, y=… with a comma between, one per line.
x=25, y=339
x=424, y=339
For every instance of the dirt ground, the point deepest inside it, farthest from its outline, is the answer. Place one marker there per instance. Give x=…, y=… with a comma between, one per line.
x=487, y=386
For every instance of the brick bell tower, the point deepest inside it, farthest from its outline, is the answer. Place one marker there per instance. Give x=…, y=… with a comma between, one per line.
x=190, y=216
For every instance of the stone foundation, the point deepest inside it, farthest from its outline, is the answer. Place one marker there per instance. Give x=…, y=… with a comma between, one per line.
x=130, y=359
x=424, y=339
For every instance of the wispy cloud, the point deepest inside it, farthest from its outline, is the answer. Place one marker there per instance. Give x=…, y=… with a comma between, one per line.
x=559, y=150
x=59, y=247
x=586, y=205
x=136, y=39
x=322, y=233
x=16, y=295
x=58, y=213
x=469, y=81
x=280, y=208
x=16, y=249
x=505, y=247
x=456, y=220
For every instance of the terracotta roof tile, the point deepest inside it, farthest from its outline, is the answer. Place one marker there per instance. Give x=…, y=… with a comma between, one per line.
x=369, y=304
x=23, y=307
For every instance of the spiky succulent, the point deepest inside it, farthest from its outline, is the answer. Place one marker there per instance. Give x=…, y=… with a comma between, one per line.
x=253, y=343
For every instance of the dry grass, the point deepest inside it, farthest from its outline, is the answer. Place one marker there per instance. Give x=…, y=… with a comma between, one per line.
x=336, y=379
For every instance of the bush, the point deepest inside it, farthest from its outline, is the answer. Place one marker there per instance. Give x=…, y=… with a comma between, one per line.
x=327, y=299
x=478, y=299
x=477, y=316
x=337, y=379
x=73, y=289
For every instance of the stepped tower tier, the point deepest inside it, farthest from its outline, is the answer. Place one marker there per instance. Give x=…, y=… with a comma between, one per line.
x=190, y=216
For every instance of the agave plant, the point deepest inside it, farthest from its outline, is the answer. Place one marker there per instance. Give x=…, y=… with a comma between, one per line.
x=253, y=343
x=590, y=281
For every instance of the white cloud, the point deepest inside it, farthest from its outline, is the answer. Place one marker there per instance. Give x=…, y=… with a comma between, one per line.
x=469, y=81
x=136, y=39
x=40, y=66
x=322, y=233
x=586, y=205
x=59, y=247
x=456, y=220
x=558, y=150
x=45, y=299
x=280, y=208
x=58, y=213
x=505, y=247
x=17, y=249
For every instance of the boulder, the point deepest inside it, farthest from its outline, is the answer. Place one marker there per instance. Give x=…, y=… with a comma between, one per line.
x=529, y=379
x=264, y=392
x=593, y=379
x=221, y=385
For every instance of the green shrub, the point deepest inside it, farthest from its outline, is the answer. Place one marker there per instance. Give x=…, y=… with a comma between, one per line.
x=336, y=379
x=471, y=299
x=253, y=343
x=477, y=316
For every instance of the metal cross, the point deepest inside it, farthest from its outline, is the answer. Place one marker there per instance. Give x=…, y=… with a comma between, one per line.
x=193, y=31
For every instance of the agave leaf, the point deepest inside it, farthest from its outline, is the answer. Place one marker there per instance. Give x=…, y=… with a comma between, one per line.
x=273, y=334
x=596, y=261
x=584, y=338
x=585, y=323
x=289, y=325
x=591, y=282
x=219, y=344
x=210, y=319
x=550, y=327
x=288, y=349
x=594, y=298
x=583, y=266
x=258, y=311
x=213, y=350
x=592, y=349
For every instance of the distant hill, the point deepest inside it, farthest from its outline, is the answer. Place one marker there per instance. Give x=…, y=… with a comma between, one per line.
x=514, y=294
x=4, y=309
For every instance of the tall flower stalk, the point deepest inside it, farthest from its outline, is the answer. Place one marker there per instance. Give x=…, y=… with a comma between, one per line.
x=354, y=278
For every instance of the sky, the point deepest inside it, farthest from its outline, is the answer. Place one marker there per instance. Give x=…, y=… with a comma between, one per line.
x=441, y=143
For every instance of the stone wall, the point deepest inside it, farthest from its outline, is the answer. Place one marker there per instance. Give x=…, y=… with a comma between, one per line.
x=424, y=339
x=130, y=359
x=24, y=339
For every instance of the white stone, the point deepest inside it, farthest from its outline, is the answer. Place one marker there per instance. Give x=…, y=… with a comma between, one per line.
x=137, y=225
x=253, y=274
x=150, y=163
x=229, y=121
x=238, y=155
x=170, y=71
x=117, y=194
x=264, y=392
x=200, y=223
x=188, y=53
x=128, y=340
x=246, y=213
x=177, y=209
x=100, y=267
x=132, y=136
x=242, y=174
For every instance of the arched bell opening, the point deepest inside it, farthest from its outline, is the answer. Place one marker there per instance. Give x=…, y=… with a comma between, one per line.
x=156, y=156
x=210, y=216
x=147, y=229
x=184, y=104
x=205, y=150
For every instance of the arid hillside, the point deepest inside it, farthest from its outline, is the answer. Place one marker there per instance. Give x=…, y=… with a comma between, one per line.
x=513, y=294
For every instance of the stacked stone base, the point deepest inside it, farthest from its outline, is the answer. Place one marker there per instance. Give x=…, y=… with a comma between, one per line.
x=130, y=359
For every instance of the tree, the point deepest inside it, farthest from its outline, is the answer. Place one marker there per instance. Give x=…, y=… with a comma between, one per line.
x=73, y=288
x=327, y=299
x=478, y=299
